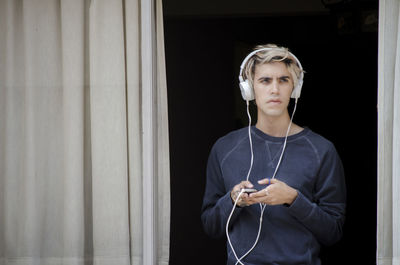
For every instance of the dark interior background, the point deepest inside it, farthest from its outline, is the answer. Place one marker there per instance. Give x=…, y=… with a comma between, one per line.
x=205, y=43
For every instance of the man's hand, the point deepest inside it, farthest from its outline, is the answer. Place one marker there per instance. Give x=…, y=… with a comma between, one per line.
x=277, y=192
x=244, y=199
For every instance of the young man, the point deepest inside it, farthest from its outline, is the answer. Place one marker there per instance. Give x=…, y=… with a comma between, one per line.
x=305, y=201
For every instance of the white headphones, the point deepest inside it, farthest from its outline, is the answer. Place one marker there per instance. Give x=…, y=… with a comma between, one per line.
x=247, y=90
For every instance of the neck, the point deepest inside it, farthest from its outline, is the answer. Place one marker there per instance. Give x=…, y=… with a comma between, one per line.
x=275, y=126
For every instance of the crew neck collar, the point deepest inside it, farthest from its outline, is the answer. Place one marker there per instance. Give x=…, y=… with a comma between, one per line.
x=270, y=138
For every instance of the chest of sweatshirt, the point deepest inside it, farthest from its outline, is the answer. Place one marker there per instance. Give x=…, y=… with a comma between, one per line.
x=299, y=167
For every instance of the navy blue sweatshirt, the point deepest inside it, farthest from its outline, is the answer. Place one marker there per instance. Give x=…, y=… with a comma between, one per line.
x=290, y=234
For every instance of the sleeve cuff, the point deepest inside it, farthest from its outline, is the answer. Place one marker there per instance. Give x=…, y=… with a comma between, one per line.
x=301, y=207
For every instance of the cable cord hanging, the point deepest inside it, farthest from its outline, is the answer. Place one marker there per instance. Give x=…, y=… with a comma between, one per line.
x=262, y=206
x=250, y=141
x=240, y=194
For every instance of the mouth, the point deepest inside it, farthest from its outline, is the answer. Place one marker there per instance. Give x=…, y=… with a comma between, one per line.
x=274, y=101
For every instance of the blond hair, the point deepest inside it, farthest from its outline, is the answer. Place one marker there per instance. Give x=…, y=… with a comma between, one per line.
x=274, y=53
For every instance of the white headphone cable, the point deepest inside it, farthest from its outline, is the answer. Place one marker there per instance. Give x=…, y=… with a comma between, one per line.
x=227, y=226
x=241, y=192
x=276, y=170
x=247, y=178
x=250, y=141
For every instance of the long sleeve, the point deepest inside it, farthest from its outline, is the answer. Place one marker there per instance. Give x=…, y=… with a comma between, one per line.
x=324, y=215
x=217, y=203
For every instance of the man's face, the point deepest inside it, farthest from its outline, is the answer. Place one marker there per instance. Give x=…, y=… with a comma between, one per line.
x=273, y=86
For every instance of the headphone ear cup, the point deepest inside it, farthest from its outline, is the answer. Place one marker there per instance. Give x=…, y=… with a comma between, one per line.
x=246, y=90
x=297, y=90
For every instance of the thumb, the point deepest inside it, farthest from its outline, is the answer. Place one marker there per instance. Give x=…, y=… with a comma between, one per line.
x=246, y=184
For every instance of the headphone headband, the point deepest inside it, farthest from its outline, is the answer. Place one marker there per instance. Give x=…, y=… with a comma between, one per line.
x=247, y=90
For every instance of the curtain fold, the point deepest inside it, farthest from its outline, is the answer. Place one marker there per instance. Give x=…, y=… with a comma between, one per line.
x=72, y=171
x=388, y=230
x=163, y=184
x=133, y=95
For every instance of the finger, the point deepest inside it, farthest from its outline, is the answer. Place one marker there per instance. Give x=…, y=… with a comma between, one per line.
x=249, y=200
x=240, y=186
x=247, y=184
x=274, y=181
x=244, y=196
x=254, y=200
x=259, y=194
x=265, y=181
x=245, y=200
x=243, y=185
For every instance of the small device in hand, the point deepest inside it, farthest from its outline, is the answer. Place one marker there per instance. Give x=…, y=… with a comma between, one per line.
x=248, y=191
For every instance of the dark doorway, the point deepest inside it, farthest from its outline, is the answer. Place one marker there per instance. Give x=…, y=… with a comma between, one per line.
x=338, y=101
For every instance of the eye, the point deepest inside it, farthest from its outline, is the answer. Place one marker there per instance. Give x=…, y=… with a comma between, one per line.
x=265, y=80
x=284, y=79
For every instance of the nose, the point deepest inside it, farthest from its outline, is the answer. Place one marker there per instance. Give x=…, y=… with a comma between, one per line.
x=275, y=87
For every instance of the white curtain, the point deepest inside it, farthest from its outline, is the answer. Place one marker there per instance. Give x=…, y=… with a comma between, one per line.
x=84, y=167
x=388, y=230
